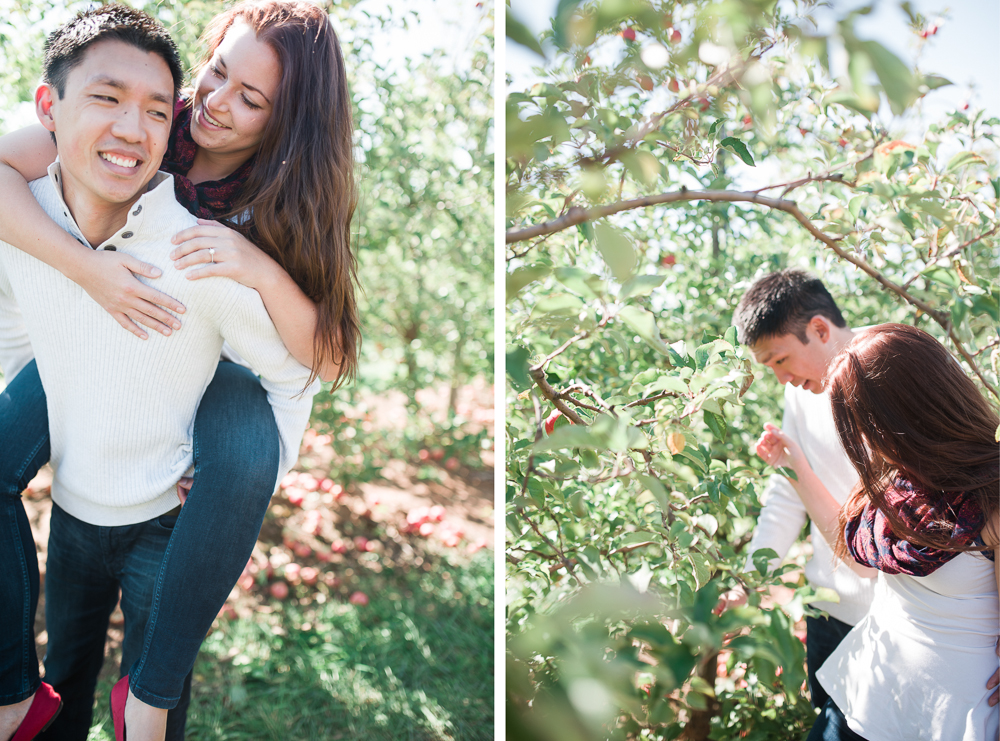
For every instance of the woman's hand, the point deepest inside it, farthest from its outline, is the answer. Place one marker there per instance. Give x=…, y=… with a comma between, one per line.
x=110, y=279
x=219, y=250
x=778, y=450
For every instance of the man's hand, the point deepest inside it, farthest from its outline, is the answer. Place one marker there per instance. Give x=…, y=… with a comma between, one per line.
x=736, y=597
x=994, y=683
x=778, y=450
x=183, y=488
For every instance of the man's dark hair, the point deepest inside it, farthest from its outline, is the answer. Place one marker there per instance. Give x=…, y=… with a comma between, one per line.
x=783, y=303
x=65, y=47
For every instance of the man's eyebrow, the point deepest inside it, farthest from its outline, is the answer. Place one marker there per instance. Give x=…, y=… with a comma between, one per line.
x=222, y=63
x=765, y=359
x=114, y=82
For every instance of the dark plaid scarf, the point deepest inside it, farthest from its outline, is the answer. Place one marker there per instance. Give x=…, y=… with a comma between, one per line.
x=208, y=200
x=871, y=541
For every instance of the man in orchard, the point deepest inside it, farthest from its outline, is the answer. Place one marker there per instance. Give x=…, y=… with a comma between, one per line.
x=792, y=325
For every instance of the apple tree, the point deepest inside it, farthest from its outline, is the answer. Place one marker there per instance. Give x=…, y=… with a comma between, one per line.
x=666, y=156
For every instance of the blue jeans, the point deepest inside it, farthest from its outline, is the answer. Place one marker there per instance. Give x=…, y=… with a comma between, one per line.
x=823, y=635
x=236, y=460
x=831, y=725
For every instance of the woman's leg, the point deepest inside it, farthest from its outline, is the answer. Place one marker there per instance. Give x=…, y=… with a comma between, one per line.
x=236, y=464
x=24, y=432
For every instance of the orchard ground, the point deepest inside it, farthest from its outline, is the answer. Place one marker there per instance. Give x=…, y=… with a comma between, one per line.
x=366, y=610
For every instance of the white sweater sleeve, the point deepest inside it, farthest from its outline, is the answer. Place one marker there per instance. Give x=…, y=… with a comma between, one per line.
x=783, y=514
x=249, y=329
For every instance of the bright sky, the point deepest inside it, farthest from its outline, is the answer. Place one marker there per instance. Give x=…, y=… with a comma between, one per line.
x=966, y=49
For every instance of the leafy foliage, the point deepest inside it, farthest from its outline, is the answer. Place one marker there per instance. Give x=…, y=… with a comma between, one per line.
x=651, y=172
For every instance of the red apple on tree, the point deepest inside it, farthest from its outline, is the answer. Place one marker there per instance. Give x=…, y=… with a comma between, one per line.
x=668, y=261
x=675, y=36
x=628, y=34
x=645, y=82
x=358, y=598
x=673, y=85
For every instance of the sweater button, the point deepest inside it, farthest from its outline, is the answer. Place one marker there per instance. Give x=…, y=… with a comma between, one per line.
x=110, y=248
x=137, y=210
x=126, y=235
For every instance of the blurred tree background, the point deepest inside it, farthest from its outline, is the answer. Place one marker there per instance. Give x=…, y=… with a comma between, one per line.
x=367, y=608
x=662, y=157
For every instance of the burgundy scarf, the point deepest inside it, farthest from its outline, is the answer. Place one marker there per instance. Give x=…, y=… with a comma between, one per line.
x=871, y=541
x=208, y=200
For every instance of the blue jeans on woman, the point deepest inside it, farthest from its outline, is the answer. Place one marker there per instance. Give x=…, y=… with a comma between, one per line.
x=831, y=725
x=236, y=461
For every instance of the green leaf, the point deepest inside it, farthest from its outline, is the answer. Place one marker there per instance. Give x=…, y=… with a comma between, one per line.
x=521, y=277
x=964, y=159
x=643, y=324
x=717, y=424
x=897, y=79
x=517, y=367
x=762, y=558
x=641, y=285
x=933, y=82
x=658, y=490
x=738, y=148
x=520, y=34
x=617, y=251
x=581, y=282
x=788, y=473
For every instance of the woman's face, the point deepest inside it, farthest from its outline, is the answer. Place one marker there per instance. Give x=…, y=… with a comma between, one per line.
x=234, y=94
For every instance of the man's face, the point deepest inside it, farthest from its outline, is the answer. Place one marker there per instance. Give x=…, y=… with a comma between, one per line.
x=800, y=364
x=113, y=122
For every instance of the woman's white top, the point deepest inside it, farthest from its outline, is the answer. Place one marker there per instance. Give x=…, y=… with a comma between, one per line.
x=915, y=669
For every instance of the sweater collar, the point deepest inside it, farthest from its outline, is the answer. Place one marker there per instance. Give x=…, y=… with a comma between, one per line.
x=159, y=194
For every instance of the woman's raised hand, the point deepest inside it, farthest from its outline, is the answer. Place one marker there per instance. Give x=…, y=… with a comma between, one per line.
x=778, y=450
x=110, y=279
x=218, y=250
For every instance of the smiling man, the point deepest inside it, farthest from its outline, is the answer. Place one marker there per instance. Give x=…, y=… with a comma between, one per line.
x=792, y=325
x=120, y=412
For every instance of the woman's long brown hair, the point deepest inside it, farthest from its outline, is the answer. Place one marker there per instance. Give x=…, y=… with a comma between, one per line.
x=301, y=191
x=903, y=406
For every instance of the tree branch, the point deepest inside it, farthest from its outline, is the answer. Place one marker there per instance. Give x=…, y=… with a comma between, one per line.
x=578, y=215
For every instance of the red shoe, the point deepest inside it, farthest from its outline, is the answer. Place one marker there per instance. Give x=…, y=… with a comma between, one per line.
x=45, y=706
x=119, y=695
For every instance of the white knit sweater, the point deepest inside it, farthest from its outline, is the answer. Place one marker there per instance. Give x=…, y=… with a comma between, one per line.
x=121, y=410
x=808, y=420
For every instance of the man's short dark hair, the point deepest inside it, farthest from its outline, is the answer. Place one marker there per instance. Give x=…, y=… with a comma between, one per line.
x=783, y=303
x=65, y=47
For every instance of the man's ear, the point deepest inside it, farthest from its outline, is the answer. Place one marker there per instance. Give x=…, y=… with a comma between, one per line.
x=821, y=326
x=45, y=96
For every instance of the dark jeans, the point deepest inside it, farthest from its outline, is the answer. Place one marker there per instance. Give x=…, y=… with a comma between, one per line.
x=236, y=461
x=87, y=565
x=823, y=635
x=831, y=725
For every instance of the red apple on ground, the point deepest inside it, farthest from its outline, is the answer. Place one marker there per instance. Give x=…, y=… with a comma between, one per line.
x=358, y=598
x=451, y=464
x=424, y=455
x=309, y=575
x=338, y=546
x=302, y=550
x=437, y=454
x=426, y=529
x=279, y=590
x=361, y=543
x=436, y=513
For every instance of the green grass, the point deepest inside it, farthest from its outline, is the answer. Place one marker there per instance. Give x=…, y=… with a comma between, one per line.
x=416, y=663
